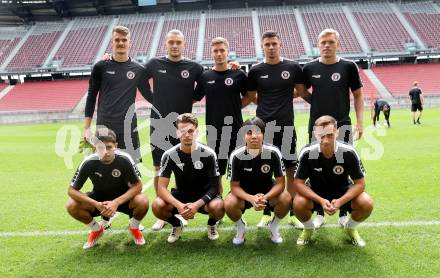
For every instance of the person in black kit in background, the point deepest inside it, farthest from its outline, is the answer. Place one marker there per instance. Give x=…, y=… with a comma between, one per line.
x=116, y=187
x=384, y=106
x=174, y=79
x=196, y=173
x=116, y=82
x=226, y=95
x=332, y=78
x=417, y=100
x=328, y=164
x=271, y=85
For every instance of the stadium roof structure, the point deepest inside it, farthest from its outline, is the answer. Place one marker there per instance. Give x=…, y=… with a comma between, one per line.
x=18, y=12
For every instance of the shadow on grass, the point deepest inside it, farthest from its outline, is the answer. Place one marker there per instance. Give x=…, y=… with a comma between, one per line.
x=195, y=255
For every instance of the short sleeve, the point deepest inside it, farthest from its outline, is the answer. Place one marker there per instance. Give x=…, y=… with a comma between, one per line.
x=356, y=169
x=302, y=167
x=165, y=166
x=213, y=170
x=251, y=80
x=299, y=75
x=234, y=169
x=278, y=165
x=133, y=173
x=81, y=175
x=355, y=80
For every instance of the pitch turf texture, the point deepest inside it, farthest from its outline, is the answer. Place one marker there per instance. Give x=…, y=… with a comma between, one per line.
x=404, y=184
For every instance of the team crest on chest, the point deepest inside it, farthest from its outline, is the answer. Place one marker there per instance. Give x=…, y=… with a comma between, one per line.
x=338, y=169
x=285, y=74
x=116, y=173
x=130, y=75
x=198, y=165
x=229, y=81
x=336, y=76
x=265, y=168
x=184, y=74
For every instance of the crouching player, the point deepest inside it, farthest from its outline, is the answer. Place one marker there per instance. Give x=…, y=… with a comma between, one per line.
x=251, y=171
x=197, y=181
x=328, y=164
x=116, y=187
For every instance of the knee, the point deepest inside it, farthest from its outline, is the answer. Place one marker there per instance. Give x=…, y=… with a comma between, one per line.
x=300, y=203
x=285, y=198
x=157, y=206
x=72, y=206
x=230, y=202
x=217, y=207
x=141, y=201
x=364, y=203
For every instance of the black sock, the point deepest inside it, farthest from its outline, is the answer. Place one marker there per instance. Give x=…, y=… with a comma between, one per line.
x=267, y=211
x=211, y=221
x=320, y=212
x=174, y=221
x=291, y=212
x=105, y=218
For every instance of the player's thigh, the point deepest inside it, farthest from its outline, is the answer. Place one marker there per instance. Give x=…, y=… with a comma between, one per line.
x=232, y=201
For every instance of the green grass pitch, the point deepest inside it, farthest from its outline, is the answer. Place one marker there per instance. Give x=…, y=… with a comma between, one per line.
x=404, y=183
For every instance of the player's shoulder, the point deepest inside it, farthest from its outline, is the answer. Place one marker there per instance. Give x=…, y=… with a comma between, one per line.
x=347, y=149
x=101, y=64
x=272, y=149
x=237, y=152
x=206, y=149
x=257, y=66
x=171, y=151
x=290, y=62
x=311, y=64
x=88, y=161
x=308, y=148
x=124, y=157
x=136, y=64
x=347, y=62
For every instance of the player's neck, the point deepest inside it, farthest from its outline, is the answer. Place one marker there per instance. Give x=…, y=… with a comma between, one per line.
x=121, y=57
x=272, y=61
x=329, y=60
x=328, y=152
x=221, y=67
x=175, y=59
x=187, y=148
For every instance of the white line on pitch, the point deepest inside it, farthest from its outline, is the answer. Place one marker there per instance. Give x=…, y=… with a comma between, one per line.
x=224, y=228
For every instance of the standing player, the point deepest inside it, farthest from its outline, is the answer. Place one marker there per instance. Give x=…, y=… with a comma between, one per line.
x=116, y=187
x=226, y=94
x=116, y=82
x=416, y=97
x=196, y=173
x=328, y=164
x=331, y=79
x=174, y=78
x=384, y=106
x=251, y=171
x=274, y=80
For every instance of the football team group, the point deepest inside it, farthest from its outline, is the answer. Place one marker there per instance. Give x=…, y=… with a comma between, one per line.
x=258, y=155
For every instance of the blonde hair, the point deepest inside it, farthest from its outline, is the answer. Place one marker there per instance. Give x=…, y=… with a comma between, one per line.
x=327, y=32
x=219, y=40
x=121, y=30
x=174, y=32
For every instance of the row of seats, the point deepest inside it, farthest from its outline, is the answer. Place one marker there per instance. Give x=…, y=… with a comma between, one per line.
x=380, y=26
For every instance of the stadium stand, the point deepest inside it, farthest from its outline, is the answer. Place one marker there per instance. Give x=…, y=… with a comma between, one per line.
x=9, y=38
x=82, y=43
x=50, y=96
x=398, y=79
x=142, y=30
x=188, y=23
x=2, y=86
x=380, y=26
x=426, y=21
x=236, y=27
x=34, y=51
x=317, y=18
x=368, y=89
x=283, y=20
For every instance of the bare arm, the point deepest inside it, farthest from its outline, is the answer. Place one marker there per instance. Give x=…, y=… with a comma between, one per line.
x=277, y=189
x=80, y=197
x=164, y=194
x=359, y=109
x=247, y=99
x=134, y=190
x=240, y=193
x=302, y=189
x=355, y=190
x=301, y=91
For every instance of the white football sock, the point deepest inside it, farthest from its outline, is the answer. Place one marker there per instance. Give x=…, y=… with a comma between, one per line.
x=94, y=226
x=351, y=224
x=308, y=224
x=134, y=223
